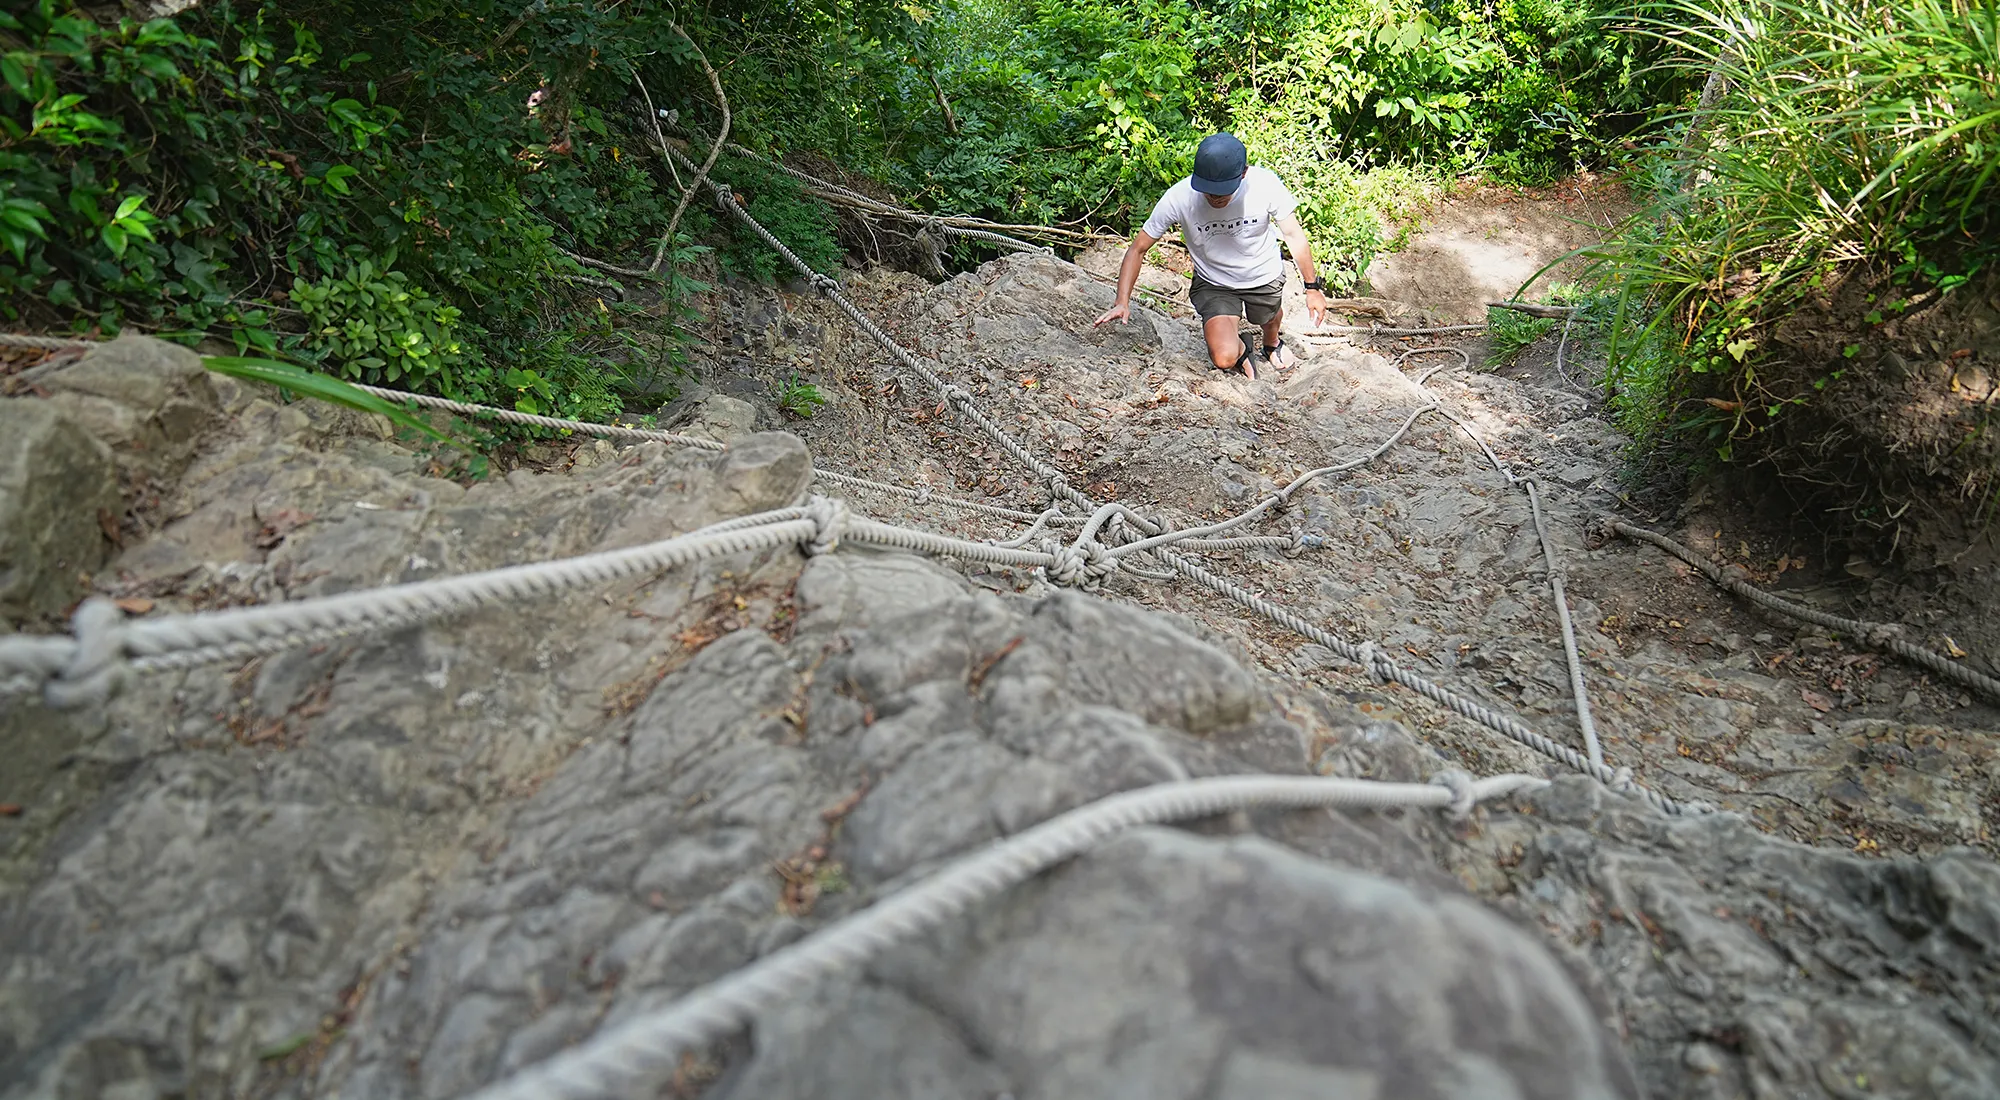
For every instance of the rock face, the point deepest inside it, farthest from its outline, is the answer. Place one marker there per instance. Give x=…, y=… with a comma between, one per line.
x=57, y=489
x=409, y=863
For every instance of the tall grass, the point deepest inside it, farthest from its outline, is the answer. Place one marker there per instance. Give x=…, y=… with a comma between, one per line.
x=1847, y=131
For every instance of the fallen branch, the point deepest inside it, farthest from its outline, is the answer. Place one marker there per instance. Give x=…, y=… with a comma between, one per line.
x=628, y=272
x=1534, y=310
x=714, y=149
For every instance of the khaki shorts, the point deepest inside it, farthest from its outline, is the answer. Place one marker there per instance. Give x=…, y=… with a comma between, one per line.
x=1257, y=304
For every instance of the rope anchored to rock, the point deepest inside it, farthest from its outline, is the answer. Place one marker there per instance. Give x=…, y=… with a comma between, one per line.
x=1882, y=636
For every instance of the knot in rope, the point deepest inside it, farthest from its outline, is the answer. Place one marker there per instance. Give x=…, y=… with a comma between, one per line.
x=1882, y=635
x=1599, y=531
x=1085, y=565
x=1459, y=783
x=1622, y=781
x=923, y=495
x=1302, y=540
x=825, y=285
x=955, y=393
x=97, y=669
x=829, y=516
x=1374, y=662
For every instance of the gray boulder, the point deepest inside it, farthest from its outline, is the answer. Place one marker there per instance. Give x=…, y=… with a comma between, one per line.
x=58, y=504
x=150, y=400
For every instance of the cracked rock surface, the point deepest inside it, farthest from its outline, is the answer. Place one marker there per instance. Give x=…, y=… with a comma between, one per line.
x=406, y=864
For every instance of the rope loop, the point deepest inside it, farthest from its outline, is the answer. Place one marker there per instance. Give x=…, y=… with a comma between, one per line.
x=829, y=516
x=923, y=496
x=1463, y=797
x=97, y=670
x=1303, y=540
x=1623, y=782
x=955, y=393
x=724, y=197
x=826, y=286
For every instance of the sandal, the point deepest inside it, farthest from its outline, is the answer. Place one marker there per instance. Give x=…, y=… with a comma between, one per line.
x=1244, y=364
x=1271, y=355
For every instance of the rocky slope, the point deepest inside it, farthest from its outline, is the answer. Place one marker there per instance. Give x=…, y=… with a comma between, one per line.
x=405, y=864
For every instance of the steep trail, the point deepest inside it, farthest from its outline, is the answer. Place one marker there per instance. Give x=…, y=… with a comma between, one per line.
x=1428, y=550
x=473, y=843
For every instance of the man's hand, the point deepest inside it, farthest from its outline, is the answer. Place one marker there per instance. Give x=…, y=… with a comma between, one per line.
x=1316, y=306
x=1123, y=312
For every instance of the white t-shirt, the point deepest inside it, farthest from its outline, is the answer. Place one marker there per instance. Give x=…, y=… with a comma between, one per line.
x=1235, y=246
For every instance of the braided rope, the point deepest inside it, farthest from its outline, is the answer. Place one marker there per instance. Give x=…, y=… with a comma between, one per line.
x=622, y=1059
x=1619, y=779
x=42, y=343
x=1380, y=666
x=91, y=664
x=959, y=225
x=608, y=431
x=1883, y=636
x=925, y=496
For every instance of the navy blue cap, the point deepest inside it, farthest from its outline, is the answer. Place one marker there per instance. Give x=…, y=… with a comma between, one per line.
x=1219, y=165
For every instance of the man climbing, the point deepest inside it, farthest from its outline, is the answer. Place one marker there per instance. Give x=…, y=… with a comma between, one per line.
x=1232, y=216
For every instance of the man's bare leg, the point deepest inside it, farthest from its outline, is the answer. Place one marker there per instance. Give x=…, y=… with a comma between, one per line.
x=1225, y=348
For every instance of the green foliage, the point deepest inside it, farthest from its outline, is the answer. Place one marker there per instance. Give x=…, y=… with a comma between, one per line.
x=1851, y=134
x=393, y=191
x=384, y=189
x=779, y=202
x=379, y=329
x=800, y=397
x=1509, y=333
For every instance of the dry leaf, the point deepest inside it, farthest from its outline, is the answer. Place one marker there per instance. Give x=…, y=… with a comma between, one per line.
x=10, y=809
x=134, y=605
x=1725, y=406
x=1816, y=701
x=1951, y=647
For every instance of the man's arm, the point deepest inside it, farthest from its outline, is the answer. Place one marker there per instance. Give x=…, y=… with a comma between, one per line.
x=1295, y=239
x=1128, y=277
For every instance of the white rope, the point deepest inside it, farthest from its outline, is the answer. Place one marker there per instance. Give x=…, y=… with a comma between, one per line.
x=625, y=1059
x=42, y=343
x=1883, y=636
x=511, y=416
x=105, y=648
x=1077, y=563
x=1586, y=723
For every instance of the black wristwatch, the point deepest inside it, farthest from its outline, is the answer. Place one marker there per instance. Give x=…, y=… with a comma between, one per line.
x=1315, y=284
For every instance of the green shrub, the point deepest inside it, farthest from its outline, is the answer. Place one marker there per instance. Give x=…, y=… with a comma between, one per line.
x=377, y=328
x=800, y=398
x=1852, y=134
x=1509, y=333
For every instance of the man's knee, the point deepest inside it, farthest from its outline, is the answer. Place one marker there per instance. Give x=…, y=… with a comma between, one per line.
x=1225, y=352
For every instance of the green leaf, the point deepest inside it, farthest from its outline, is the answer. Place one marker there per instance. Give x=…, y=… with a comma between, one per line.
x=131, y=203
x=15, y=75
x=114, y=239
x=20, y=219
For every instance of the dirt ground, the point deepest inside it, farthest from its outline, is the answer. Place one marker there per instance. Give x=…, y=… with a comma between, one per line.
x=1430, y=552
x=1484, y=244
